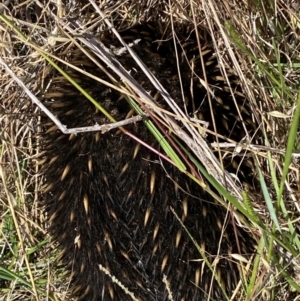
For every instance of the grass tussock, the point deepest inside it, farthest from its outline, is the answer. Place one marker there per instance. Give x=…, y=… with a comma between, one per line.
x=255, y=40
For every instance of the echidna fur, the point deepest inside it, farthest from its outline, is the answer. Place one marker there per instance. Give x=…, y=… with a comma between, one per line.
x=109, y=199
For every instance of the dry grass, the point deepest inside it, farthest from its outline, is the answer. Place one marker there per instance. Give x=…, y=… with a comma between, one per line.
x=257, y=42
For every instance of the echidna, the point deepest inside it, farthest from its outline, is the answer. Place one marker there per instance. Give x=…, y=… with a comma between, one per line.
x=109, y=199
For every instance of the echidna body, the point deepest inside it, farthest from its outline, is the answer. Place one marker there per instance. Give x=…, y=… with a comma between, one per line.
x=109, y=199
